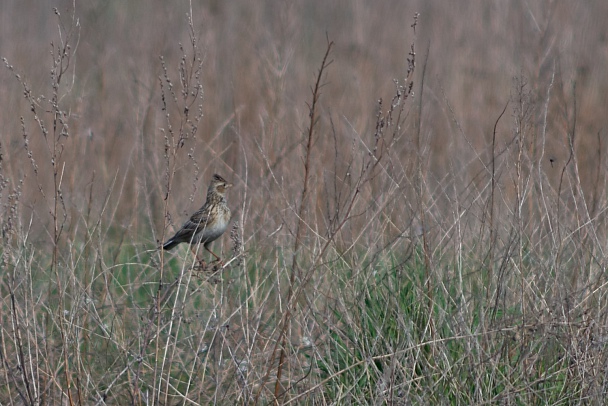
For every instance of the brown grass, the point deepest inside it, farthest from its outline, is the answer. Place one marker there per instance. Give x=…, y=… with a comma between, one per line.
x=432, y=231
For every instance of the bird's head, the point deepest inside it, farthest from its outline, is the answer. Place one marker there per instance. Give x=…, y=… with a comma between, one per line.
x=219, y=185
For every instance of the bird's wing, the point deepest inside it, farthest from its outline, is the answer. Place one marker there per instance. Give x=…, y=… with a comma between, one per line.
x=197, y=221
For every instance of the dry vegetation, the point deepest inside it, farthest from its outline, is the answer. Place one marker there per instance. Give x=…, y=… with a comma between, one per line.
x=419, y=202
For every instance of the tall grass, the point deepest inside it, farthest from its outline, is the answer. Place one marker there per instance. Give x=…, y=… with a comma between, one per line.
x=394, y=241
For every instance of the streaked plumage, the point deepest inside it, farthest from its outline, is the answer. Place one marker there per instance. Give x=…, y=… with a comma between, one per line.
x=209, y=222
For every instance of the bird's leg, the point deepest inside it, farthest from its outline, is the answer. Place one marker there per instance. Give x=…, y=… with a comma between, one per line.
x=217, y=258
x=201, y=262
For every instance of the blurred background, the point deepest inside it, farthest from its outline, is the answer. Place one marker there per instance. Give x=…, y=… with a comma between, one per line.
x=259, y=63
x=454, y=235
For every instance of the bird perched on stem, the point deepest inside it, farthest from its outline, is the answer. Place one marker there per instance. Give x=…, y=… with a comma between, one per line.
x=208, y=223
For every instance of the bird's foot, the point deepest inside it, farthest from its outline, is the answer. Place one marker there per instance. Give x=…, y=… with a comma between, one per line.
x=205, y=268
x=216, y=265
x=201, y=266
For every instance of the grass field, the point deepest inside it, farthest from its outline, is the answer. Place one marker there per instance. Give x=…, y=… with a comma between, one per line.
x=419, y=202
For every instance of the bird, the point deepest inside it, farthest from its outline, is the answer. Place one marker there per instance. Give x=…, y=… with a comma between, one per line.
x=208, y=223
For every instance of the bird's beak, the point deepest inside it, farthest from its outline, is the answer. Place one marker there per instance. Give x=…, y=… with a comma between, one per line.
x=229, y=185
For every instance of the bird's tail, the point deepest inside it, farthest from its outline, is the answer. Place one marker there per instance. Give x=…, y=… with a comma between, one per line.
x=170, y=244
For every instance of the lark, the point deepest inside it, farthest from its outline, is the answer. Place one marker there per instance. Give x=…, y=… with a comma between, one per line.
x=208, y=223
